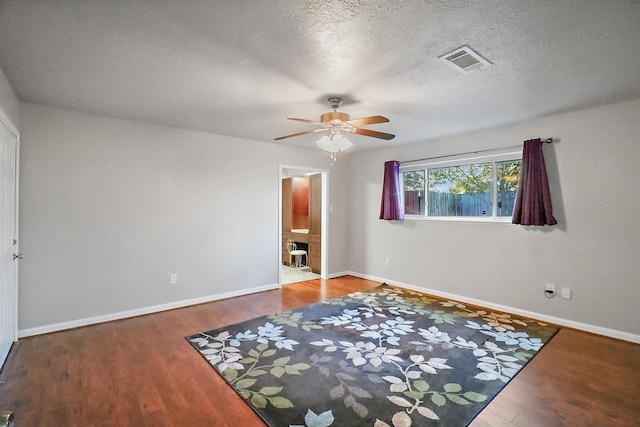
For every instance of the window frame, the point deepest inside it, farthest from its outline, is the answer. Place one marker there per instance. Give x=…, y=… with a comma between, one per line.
x=461, y=160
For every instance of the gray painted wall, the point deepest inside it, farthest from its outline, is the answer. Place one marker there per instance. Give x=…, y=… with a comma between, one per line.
x=110, y=208
x=595, y=249
x=9, y=105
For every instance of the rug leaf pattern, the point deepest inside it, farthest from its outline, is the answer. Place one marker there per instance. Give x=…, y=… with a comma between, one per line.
x=387, y=357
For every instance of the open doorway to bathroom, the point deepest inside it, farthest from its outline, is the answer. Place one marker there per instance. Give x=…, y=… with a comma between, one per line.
x=303, y=224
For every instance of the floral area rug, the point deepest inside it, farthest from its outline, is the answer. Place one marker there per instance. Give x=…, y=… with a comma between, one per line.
x=384, y=357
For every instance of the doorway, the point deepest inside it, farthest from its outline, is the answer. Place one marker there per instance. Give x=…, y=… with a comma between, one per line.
x=303, y=222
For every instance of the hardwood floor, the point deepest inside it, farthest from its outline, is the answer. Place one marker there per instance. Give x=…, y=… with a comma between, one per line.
x=142, y=372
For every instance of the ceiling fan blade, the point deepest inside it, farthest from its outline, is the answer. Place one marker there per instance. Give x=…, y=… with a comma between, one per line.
x=299, y=133
x=367, y=121
x=373, y=133
x=304, y=120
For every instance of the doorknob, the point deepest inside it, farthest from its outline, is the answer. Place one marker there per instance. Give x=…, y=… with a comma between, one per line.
x=18, y=256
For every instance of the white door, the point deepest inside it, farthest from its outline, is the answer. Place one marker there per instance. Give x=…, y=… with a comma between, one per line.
x=8, y=241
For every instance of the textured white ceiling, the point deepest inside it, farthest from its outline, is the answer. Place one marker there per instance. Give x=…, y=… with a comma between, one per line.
x=241, y=67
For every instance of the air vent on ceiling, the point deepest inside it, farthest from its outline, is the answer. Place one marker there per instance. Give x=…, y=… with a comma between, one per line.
x=464, y=59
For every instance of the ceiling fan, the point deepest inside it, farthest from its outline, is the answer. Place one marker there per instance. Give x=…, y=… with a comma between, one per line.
x=335, y=123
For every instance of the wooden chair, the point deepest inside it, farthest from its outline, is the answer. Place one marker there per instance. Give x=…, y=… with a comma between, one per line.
x=296, y=254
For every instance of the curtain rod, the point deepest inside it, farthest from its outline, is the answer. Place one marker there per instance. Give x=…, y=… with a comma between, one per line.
x=545, y=141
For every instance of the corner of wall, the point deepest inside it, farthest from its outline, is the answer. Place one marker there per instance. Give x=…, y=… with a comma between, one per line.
x=9, y=105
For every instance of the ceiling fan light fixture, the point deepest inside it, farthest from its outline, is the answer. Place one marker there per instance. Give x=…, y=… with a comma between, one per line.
x=334, y=143
x=337, y=122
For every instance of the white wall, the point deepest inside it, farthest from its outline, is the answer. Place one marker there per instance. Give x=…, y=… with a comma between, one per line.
x=9, y=105
x=110, y=208
x=595, y=249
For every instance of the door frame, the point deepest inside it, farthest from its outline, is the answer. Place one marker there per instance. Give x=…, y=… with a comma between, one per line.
x=324, y=262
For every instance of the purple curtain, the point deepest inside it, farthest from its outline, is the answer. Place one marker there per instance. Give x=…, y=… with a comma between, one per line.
x=533, y=202
x=391, y=205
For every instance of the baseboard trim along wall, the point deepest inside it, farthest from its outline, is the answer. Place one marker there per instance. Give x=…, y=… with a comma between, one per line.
x=185, y=303
x=340, y=274
x=139, y=312
x=625, y=336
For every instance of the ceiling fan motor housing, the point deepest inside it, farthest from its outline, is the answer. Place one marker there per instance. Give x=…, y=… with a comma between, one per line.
x=334, y=117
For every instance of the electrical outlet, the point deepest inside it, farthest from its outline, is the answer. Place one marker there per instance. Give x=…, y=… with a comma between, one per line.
x=566, y=293
x=550, y=290
x=387, y=262
x=173, y=279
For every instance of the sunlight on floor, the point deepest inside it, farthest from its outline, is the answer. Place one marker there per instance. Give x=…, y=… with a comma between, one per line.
x=293, y=275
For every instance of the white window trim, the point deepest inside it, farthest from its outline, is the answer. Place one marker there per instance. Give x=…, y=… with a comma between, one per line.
x=460, y=160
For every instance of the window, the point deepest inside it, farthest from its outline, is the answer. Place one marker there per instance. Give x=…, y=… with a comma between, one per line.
x=413, y=184
x=479, y=188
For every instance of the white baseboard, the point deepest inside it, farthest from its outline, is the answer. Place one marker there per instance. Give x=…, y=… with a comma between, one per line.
x=340, y=274
x=184, y=303
x=139, y=311
x=539, y=316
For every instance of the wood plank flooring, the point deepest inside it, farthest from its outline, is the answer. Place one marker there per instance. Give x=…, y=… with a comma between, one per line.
x=142, y=372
